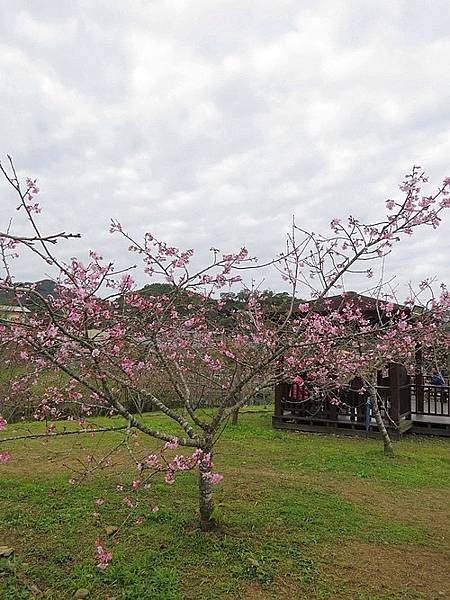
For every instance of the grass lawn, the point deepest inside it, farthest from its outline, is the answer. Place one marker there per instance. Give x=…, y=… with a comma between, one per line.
x=302, y=516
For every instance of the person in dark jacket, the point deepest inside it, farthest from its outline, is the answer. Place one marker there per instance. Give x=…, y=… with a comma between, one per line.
x=438, y=379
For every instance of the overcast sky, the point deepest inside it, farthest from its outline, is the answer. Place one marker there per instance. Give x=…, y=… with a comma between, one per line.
x=212, y=122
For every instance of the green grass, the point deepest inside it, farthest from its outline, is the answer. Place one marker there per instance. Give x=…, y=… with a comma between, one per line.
x=301, y=516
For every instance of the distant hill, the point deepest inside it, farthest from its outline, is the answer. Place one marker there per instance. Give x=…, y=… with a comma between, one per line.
x=271, y=302
x=155, y=289
x=182, y=300
x=45, y=287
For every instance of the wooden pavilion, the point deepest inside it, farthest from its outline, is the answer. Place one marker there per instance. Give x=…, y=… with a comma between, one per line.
x=412, y=404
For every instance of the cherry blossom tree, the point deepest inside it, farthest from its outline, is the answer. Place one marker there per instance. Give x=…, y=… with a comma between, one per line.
x=114, y=345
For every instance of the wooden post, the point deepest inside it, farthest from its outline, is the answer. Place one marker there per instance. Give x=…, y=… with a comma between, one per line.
x=380, y=377
x=238, y=398
x=279, y=388
x=394, y=382
x=419, y=379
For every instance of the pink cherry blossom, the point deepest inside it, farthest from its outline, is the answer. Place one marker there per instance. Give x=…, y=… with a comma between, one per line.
x=4, y=457
x=153, y=461
x=104, y=557
x=171, y=445
x=169, y=478
x=390, y=204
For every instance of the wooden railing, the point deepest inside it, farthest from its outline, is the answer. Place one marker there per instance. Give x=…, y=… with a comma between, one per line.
x=406, y=402
x=430, y=399
x=330, y=408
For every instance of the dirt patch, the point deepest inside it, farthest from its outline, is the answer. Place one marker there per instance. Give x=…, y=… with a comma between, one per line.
x=280, y=589
x=44, y=459
x=380, y=569
x=427, y=508
x=422, y=507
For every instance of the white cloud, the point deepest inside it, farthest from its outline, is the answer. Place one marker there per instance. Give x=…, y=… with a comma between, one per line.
x=41, y=32
x=213, y=122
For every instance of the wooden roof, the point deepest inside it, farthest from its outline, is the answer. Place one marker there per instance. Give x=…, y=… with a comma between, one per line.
x=367, y=304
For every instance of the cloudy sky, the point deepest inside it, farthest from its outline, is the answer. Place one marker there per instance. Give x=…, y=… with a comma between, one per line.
x=212, y=122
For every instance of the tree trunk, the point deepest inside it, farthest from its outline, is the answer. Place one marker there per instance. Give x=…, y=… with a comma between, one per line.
x=236, y=398
x=388, y=447
x=205, y=497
